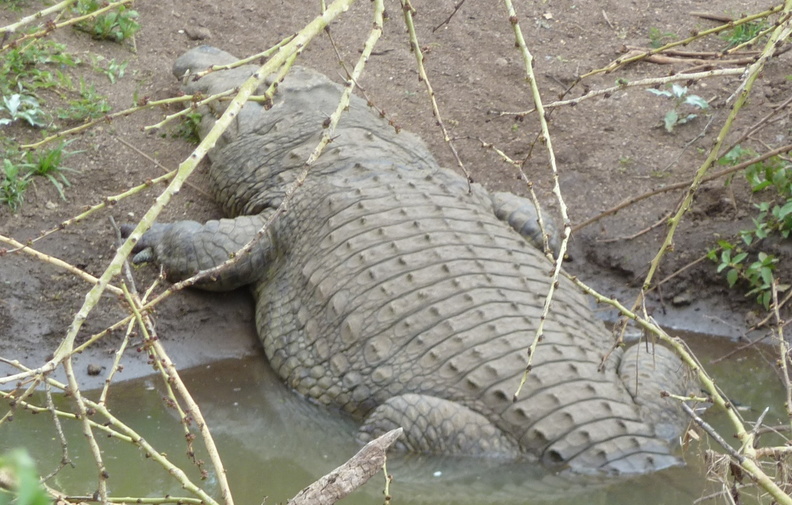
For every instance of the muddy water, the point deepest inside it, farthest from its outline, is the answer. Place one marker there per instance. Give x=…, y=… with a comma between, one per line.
x=274, y=443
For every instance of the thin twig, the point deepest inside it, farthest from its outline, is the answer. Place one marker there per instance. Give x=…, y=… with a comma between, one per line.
x=106, y=202
x=712, y=433
x=682, y=185
x=450, y=16
x=637, y=234
x=534, y=199
x=408, y=10
x=59, y=7
x=650, y=82
x=620, y=62
x=65, y=460
x=783, y=350
x=48, y=29
x=52, y=260
x=160, y=165
x=547, y=141
x=244, y=61
x=87, y=428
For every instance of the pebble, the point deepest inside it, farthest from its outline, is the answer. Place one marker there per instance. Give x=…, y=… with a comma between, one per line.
x=684, y=298
x=198, y=32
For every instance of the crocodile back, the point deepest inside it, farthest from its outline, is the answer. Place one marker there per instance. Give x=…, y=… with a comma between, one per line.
x=390, y=276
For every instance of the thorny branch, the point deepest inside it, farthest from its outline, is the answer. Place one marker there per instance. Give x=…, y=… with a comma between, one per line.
x=620, y=62
x=567, y=227
x=408, y=10
x=7, y=30
x=783, y=350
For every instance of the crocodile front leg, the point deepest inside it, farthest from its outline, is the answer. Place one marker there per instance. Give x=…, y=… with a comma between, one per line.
x=185, y=248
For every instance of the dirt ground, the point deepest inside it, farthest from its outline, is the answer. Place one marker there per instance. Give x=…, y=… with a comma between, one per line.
x=608, y=149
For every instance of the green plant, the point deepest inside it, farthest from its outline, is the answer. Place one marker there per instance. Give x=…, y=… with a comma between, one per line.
x=47, y=164
x=23, y=107
x=774, y=218
x=114, y=71
x=117, y=25
x=89, y=105
x=25, y=69
x=20, y=472
x=188, y=128
x=759, y=274
x=658, y=38
x=682, y=100
x=743, y=33
x=13, y=185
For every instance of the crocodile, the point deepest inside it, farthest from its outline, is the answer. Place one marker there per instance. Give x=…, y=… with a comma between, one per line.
x=398, y=292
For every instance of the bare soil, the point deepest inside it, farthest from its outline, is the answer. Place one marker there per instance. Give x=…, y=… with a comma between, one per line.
x=608, y=150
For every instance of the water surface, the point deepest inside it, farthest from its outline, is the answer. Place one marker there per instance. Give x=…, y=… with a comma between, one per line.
x=274, y=443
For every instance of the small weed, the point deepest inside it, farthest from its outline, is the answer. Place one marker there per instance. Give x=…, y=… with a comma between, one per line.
x=13, y=185
x=117, y=25
x=23, y=107
x=757, y=274
x=47, y=164
x=18, y=175
x=745, y=261
x=90, y=105
x=188, y=128
x=625, y=163
x=658, y=38
x=682, y=100
x=659, y=174
x=22, y=70
x=743, y=33
x=114, y=71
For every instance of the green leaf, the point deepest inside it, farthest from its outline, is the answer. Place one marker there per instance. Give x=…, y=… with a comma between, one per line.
x=687, y=119
x=679, y=91
x=670, y=120
x=759, y=185
x=732, y=277
x=725, y=244
x=659, y=92
x=784, y=211
x=765, y=298
x=696, y=101
x=767, y=276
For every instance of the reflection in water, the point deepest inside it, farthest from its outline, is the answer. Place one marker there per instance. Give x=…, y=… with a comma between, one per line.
x=274, y=443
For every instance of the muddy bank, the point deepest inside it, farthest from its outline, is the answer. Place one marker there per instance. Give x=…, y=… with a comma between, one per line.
x=608, y=149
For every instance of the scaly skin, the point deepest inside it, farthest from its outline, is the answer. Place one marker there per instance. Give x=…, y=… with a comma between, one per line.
x=394, y=292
